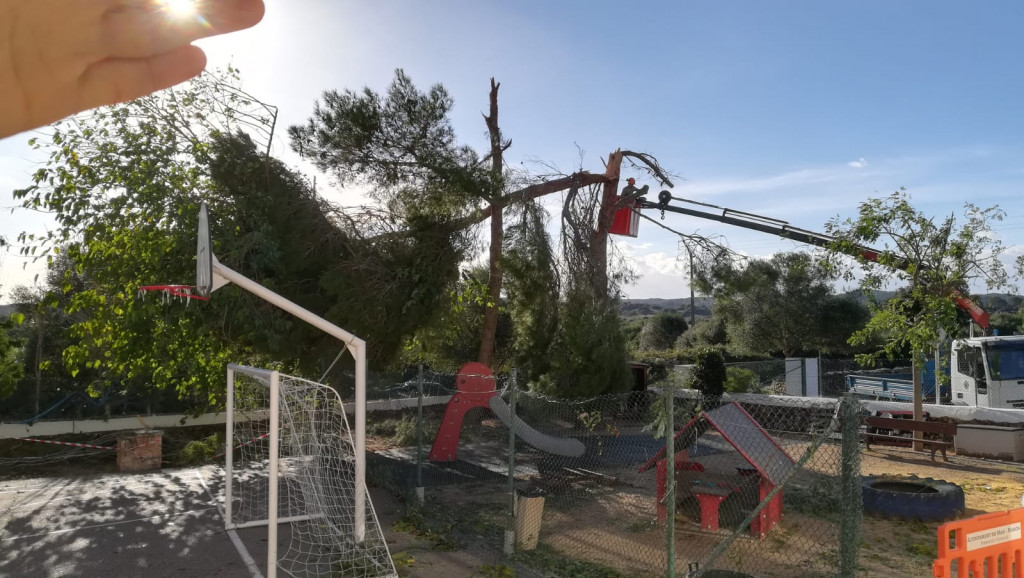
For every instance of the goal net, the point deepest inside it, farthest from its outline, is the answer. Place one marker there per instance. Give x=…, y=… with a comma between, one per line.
x=293, y=470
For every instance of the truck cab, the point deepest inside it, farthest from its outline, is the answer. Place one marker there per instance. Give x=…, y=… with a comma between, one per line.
x=988, y=372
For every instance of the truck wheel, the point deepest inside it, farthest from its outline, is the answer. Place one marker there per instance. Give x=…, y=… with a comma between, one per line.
x=912, y=498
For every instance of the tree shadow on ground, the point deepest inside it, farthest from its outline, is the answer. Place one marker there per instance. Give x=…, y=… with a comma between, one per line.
x=153, y=524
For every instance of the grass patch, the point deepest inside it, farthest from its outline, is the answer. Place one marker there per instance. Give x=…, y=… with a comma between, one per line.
x=403, y=561
x=551, y=563
x=822, y=500
x=642, y=525
x=429, y=523
x=449, y=529
x=984, y=488
x=923, y=549
x=494, y=571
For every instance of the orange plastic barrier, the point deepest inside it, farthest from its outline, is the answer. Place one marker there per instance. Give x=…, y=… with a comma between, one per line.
x=985, y=546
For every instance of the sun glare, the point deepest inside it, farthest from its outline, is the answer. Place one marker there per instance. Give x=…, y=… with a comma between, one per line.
x=180, y=8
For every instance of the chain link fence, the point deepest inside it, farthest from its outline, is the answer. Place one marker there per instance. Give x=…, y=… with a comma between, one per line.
x=752, y=483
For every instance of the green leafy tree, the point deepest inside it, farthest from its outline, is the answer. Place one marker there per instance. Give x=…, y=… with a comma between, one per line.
x=43, y=327
x=588, y=355
x=402, y=145
x=704, y=333
x=453, y=335
x=709, y=373
x=124, y=184
x=1006, y=323
x=934, y=259
x=631, y=328
x=11, y=365
x=839, y=317
x=347, y=267
x=532, y=284
x=784, y=304
x=661, y=331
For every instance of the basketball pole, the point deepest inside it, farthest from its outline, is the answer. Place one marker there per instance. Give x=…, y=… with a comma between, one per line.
x=355, y=346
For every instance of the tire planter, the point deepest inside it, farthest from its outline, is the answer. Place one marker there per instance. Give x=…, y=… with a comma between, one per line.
x=912, y=498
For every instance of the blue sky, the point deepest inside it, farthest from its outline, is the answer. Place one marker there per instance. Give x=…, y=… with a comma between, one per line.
x=796, y=110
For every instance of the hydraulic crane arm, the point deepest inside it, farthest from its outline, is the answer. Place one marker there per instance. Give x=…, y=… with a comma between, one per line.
x=786, y=231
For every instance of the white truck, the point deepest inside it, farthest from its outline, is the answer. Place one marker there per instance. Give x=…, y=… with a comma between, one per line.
x=982, y=372
x=988, y=372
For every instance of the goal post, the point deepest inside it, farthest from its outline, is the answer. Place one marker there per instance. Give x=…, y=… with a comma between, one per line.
x=292, y=464
x=355, y=346
x=211, y=275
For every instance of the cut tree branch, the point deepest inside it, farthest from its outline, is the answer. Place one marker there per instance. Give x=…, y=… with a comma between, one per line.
x=651, y=165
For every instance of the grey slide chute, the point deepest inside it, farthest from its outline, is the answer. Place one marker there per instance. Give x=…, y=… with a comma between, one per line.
x=569, y=447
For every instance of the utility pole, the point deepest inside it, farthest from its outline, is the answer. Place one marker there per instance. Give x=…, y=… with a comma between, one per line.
x=693, y=311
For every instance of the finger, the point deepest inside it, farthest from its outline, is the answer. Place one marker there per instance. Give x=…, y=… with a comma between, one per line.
x=53, y=34
x=119, y=80
x=143, y=28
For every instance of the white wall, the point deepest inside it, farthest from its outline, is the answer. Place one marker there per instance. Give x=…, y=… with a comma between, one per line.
x=802, y=383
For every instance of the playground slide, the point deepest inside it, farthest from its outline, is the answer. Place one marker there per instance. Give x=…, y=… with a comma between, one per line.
x=568, y=447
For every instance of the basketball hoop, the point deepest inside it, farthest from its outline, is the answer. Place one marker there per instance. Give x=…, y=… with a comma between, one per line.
x=169, y=292
x=206, y=281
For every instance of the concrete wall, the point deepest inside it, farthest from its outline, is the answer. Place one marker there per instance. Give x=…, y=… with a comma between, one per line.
x=54, y=428
x=989, y=441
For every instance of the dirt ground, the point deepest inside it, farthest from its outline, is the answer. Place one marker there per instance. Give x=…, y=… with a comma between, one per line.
x=150, y=525
x=613, y=525
x=908, y=548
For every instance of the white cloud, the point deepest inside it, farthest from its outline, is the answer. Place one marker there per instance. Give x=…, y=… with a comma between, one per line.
x=858, y=164
x=659, y=273
x=814, y=177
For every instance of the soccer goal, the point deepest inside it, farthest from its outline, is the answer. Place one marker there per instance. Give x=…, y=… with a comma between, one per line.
x=292, y=465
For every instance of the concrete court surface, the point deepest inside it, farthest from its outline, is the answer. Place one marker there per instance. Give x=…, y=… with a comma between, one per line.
x=112, y=525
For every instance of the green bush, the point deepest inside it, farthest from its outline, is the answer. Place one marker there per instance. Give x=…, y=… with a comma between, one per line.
x=400, y=431
x=198, y=452
x=684, y=409
x=709, y=372
x=405, y=431
x=739, y=380
x=588, y=356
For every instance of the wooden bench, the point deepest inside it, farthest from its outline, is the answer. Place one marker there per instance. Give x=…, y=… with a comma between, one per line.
x=945, y=430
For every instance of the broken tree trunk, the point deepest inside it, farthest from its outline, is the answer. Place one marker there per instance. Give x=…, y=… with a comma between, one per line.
x=490, y=330
x=605, y=216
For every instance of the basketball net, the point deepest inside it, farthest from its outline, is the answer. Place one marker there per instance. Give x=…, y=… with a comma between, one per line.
x=172, y=293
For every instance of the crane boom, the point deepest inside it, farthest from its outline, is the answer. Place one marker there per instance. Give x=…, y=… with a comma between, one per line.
x=784, y=230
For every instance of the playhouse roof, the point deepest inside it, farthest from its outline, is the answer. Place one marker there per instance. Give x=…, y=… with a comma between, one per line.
x=742, y=432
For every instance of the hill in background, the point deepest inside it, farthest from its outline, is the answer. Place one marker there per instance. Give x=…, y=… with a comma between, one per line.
x=992, y=302
x=647, y=307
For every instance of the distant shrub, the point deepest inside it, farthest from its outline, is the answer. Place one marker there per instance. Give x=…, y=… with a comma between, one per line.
x=709, y=372
x=739, y=380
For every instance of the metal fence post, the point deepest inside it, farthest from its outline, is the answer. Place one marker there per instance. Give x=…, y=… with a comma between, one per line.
x=803, y=377
x=510, y=533
x=852, y=507
x=419, y=436
x=670, y=477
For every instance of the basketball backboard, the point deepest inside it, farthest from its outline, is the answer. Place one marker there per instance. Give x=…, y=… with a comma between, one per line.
x=204, y=255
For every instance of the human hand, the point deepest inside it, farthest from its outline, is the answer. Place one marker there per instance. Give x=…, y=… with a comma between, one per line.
x=59, y=57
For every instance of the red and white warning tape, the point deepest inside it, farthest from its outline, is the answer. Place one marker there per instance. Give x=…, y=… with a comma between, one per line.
x=72, y=444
